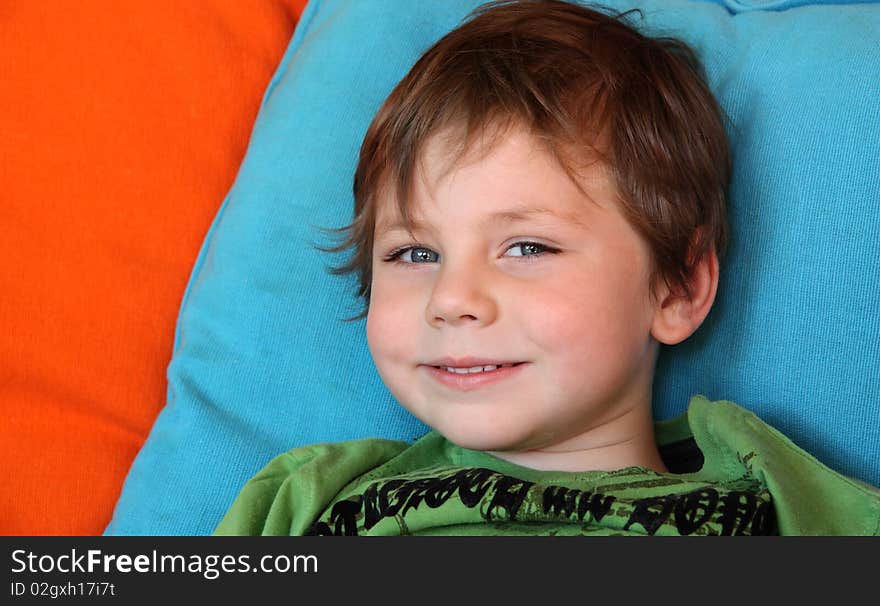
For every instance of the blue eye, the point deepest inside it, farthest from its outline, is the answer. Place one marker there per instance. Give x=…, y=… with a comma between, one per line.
x=528, y=249
x=413, y=254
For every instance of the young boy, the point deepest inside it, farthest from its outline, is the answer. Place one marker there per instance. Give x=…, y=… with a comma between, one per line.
x=540, y=204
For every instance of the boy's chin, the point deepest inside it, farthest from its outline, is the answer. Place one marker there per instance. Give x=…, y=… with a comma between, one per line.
x=479, y=428
x=472, y=438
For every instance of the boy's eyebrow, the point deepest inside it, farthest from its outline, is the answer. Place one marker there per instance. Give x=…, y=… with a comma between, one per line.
x=512, y=215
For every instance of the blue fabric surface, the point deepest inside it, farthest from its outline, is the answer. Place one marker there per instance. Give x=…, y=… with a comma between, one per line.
x=263, y=363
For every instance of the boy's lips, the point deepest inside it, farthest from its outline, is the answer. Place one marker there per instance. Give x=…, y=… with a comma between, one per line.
x=470, y=362
x=466, y=374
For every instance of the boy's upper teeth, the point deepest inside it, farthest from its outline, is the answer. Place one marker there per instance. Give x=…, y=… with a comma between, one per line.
x=473, y=369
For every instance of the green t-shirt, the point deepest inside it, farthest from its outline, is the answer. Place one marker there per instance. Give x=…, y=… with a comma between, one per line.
x=749, y=479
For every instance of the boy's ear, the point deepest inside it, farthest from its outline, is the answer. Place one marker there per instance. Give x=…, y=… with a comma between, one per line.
x=678, y=315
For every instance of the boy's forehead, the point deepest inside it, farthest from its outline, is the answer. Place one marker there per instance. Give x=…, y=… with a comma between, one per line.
x=523, y=157
x=392, y=221
x=452, y=148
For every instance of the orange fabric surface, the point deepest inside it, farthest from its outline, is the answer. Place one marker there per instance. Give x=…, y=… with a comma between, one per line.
x=122, y=127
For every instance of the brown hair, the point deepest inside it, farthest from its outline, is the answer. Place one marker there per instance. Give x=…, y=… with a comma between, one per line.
x=588, y=85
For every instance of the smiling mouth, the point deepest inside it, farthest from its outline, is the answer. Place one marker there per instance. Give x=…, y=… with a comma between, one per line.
x=476, y=369
x=470, y=378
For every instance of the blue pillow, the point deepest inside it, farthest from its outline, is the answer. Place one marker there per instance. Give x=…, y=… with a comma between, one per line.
x=262, y=361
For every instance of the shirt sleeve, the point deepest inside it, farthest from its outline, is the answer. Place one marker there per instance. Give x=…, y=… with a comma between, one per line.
x=291, y=492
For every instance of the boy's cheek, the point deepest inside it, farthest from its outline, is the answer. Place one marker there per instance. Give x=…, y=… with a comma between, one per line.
x=374, y=328
x=389, y=328
x=388, y=341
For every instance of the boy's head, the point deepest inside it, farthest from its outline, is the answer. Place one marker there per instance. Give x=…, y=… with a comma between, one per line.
x=545, y=187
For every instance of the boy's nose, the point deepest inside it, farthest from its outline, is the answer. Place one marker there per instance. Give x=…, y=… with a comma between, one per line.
x=460, y=298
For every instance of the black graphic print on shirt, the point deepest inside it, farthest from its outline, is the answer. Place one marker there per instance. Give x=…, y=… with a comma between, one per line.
x=454, y=496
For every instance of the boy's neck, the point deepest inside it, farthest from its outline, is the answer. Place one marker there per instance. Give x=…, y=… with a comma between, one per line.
x=625, y=441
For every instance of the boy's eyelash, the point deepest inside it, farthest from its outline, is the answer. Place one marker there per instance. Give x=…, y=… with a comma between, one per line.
x=545, y=248
x=394, y=255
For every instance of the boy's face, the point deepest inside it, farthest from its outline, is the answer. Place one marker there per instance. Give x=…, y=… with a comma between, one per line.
x=512, y=265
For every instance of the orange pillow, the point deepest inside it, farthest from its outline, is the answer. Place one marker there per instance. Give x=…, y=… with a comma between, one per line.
x=122, y=128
